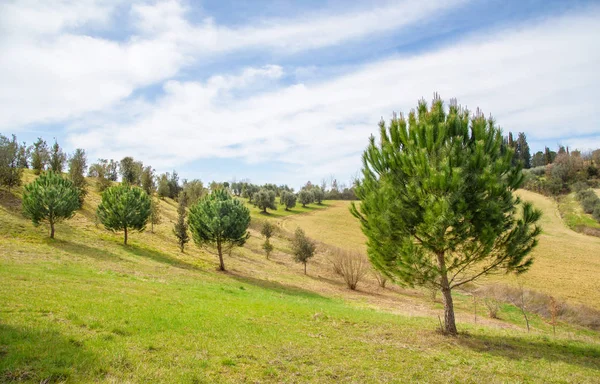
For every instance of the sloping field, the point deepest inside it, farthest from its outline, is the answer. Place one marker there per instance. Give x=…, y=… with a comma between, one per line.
x=567, y=263
x=84, y=308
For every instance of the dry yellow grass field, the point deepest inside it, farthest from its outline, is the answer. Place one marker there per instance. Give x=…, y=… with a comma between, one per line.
x=567, y=263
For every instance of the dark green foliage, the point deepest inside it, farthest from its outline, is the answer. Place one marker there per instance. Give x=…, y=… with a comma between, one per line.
x=124, y=208
x=180, y=229
x=596, y=213
x=318, y=195
x=50, y=198
x=589, y=203
x=10, y=171
x=305, y=197
x=264, y=199
x=39, y=156
x=288, y=199
x=57, y=158
x=437, y=204
x=147, y=180
x=219, y=221
x=302, y=247
x=77, y=167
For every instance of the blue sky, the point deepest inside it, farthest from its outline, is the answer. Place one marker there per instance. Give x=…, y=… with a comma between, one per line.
x=287, y=91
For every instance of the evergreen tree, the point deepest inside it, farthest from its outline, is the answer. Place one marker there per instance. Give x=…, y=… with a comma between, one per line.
x=77, y=167
x=302, y=247
x=39, y=156
x=163, y=189
x=219, y=221
x=112, y=170
x=155, y=211
x=174, y=187
x=124, y=208
x=10, y=171
x=50, y=198
x=264, y=199
x=147, y=179
x=194, y=190
x=23, y=156
x=267, y=231
x=437, y=204
x=57, y=158
x=181, y=226
x=538, y=159
x=523, y=153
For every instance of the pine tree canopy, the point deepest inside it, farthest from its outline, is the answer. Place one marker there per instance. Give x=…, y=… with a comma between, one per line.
x=437, y=204
x=123, y=208
x=50, y=198
x=220, y=221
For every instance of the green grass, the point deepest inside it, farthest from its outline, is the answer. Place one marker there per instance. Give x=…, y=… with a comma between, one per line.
x=573, y=215
x=84, y=308
x=281, y=212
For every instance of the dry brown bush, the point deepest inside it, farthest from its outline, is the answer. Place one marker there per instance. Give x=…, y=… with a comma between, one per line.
x=541, y=304
x=381, y=278
x=351, y=265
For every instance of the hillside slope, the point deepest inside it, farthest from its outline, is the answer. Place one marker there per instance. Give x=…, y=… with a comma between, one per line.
x=85, y=308
x=567, y=263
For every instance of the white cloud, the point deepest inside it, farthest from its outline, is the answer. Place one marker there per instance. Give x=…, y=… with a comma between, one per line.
x=50, y=71
x=541, y=79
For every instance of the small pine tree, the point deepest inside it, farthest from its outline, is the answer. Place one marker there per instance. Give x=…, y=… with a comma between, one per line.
x=155, y=218
x=267, y=231
x=50, y=198
x=124, y=208
x=303, y=247
x=57, y=158
x=181, y=226
x=77, y=166
x=39, y=156
x=220, y=221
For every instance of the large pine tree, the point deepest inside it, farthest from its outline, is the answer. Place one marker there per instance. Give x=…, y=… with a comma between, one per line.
x=437, y=203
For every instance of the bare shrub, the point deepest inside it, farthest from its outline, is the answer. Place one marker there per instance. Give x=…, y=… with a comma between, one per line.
x=351, y=265
x=493, y=306
x=381, y=278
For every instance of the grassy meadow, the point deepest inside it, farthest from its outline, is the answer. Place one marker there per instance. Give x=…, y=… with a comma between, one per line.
x=84, y=308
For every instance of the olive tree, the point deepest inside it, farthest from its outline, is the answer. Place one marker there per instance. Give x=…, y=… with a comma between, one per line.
x=267, y=231
x=437, y=203
x=306, y=197
x=124, y=208
x=288, y=199
x=50, y=198
x=219, y=221
x=264, y=199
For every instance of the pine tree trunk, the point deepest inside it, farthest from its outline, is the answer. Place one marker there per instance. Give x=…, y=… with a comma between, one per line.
x=151, y=226
x=221, y=263
x=52, y=229
x=125, y=239
x=449, y=320
x=305, y=268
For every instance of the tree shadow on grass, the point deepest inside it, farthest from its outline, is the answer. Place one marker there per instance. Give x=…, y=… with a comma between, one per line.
x=11, y=202
x=157, y=256
x=275, y=286
x=83, y=250
x=514, y=348
x=42, y=356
